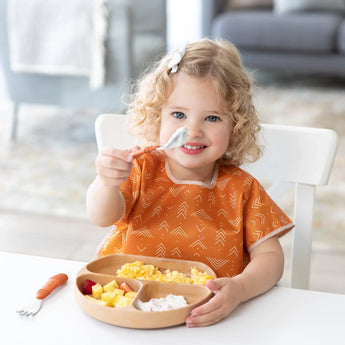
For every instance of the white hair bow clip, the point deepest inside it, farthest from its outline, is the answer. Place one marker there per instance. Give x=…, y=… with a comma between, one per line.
x=176, y=59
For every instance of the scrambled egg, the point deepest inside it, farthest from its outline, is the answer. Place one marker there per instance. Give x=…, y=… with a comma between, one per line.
x=138, y=270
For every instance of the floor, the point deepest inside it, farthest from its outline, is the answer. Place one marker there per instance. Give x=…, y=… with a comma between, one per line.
x=44, y=176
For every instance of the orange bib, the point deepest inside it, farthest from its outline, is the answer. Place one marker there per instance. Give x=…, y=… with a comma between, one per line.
x=216, y=224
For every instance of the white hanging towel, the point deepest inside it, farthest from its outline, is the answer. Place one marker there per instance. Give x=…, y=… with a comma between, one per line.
x=58, y=37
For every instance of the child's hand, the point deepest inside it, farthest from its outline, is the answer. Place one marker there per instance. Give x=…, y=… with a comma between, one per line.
x=227, y=297
x=113, y=166
x=264, y=269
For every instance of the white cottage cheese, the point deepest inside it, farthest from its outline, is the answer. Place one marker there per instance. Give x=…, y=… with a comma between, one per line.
x=161, y=304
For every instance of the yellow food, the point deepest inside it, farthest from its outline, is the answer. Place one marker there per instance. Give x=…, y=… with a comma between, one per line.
x=98, y=301
x=111, y=286
x=131, y=294
x=108, y=298
x=137, y=270
x=123, y=301
x=109, y=295
x=97, y=291
x=199, y=277
x=119, y=292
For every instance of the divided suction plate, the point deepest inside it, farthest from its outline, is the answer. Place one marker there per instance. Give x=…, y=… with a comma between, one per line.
x=103, y=270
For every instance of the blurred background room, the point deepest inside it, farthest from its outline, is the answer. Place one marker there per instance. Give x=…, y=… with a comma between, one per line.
x=52, y=89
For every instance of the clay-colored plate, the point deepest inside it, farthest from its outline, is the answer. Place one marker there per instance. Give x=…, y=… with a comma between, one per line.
x=104, y=270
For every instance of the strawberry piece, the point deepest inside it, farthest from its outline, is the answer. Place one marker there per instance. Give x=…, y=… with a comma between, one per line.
x=87, y=287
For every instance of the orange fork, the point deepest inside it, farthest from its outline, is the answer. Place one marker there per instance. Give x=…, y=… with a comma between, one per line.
x=34, y=307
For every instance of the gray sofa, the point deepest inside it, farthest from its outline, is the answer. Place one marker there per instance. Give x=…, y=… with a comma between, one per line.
x=136, y=36
x=305, y=42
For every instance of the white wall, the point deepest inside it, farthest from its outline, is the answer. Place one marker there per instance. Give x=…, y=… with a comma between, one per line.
x=184, y=23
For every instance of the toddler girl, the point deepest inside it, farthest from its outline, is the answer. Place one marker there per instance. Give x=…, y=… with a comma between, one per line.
x=194, y=202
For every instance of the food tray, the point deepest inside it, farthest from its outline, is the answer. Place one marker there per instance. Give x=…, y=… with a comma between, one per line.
x=103, y=270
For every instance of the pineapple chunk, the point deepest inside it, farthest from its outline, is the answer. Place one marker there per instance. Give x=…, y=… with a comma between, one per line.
x=97, y=291
x=108, y=298
x=123, y=301
x=110, y=295
x=119, y=292
x=90, y=298
x=98, y=301
x=111, y=286
x=130, y=294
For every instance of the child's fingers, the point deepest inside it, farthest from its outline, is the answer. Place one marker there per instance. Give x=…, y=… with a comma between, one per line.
x=125, y=155
x=114, y=163
x=114, y=173
x=205, y=319
x=221, y=304
x=213, y=285
x=113, y=158
x=112, y=177
x=213, y=304
x=207, y=314
x=134, y=149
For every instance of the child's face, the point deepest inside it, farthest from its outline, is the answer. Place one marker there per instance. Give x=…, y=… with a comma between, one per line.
x=195, y=104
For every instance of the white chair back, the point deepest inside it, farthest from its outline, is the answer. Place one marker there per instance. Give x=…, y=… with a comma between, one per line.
x=299, y=156
x=303, y=157
x=112, y=130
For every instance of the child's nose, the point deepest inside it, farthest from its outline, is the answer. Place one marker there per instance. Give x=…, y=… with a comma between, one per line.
x=194, y=130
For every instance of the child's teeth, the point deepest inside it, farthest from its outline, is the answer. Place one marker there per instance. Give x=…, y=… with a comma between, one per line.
x=193, y=147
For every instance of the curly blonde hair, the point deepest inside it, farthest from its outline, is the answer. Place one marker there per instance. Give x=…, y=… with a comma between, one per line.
x=218, y=60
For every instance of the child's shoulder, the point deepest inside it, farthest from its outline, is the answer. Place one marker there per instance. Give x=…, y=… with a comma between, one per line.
x=233, y=171
x=237, y=175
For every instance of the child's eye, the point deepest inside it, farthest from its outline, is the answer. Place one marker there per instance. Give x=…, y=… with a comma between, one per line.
x=179, y=115
x=213, y=118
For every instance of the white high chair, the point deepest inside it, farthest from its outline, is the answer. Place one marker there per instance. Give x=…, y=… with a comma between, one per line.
x=299, y=156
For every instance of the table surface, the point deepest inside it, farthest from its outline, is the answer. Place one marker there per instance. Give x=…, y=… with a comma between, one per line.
x=281, y=316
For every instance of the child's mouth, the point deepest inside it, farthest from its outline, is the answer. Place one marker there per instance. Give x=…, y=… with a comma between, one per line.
x=193, y=149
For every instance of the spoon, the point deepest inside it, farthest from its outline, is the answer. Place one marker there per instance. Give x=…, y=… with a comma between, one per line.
x=177, y=139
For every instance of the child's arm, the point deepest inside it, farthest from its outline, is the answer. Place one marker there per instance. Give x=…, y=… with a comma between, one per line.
x=105, y=204
x=261, y=274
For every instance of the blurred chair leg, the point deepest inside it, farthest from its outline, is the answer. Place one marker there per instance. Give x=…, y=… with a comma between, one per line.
x=15, y=114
